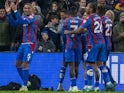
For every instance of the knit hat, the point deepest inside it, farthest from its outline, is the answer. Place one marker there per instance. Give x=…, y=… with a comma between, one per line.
x=121, y=14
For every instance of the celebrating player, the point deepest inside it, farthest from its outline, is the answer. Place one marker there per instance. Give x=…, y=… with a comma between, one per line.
x=27, y=47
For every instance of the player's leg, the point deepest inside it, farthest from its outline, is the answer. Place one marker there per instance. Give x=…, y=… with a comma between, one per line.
x=111, y=79
x=97, y=76
x=78, y=57
x=19, y=59
x=70, y=58
x=104, y=71
x=62, y=75
x=73, y=86
x=26, y=60
x=85, y=76
x=76, y=64
x=85, y=71
x=110, y=75
x=19, y=68
x=91, y=67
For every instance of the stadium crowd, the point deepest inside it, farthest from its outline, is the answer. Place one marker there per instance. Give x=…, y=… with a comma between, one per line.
x=10, y=37
x=68, y=26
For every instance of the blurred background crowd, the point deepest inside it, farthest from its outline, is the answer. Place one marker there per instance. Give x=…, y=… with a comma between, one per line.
x=51, y=15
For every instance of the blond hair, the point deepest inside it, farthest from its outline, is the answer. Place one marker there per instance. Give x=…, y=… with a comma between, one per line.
x=108, y=13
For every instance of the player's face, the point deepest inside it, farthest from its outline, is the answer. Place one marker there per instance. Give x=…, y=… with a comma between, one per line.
x=88, y=9
x=27, y=9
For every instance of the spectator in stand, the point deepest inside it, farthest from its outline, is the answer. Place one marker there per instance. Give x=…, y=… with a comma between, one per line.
x=81, y=10
x=61, y=21
x=46, y=45
x=53, y=11
x=118, y=35
x=93, y=1
x=103, y=2
x=52, y=28
x=118, y=9
x=67, y=4
x=82, y=4
x=37, y=8
x=5, y=33
x=44, y=5
x=40, y=20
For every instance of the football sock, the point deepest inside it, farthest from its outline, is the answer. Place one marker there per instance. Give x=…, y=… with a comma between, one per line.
x=97, y=84
x=19, y=69
x=62, y=74
x=25, y=76
x=73, y=81
x=110, y=75
x=90, y=75
x=85, y=82
x=105, y=73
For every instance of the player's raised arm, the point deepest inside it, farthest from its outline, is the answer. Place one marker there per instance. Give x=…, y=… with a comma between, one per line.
x=8, y=10
x=27, y=11
x=7, y=7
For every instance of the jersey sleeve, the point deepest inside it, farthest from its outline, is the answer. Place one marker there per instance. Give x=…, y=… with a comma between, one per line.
x=12, y=21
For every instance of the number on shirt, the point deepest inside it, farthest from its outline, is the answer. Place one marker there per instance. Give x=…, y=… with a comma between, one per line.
x=98, y=27
x=108, y=29
x=73, y=27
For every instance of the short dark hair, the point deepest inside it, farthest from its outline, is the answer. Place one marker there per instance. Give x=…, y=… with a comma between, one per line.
x=93, y=6
x=63, y=10
x=101, y=10
x=72, y=11
x=53, y=17
x=82, y=11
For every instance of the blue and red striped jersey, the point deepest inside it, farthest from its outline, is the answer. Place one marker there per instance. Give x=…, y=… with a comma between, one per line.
x=95, y=29
x=30, y=26
x=107, y=30
x=72, y=40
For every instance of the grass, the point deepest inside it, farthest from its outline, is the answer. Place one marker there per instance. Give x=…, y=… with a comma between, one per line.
x=51, y=92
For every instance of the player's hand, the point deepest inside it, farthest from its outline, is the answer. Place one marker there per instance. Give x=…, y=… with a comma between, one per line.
x=40, y=48
x=7, y=7
x=66, y=32
x=49, y=25
x=13, y=6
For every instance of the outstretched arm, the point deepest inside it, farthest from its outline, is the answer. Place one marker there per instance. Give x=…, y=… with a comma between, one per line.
x=19, y=18
x=8, y=10
x=81, y=29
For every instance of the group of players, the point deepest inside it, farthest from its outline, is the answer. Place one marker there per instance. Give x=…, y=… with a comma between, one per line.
x=96, y=24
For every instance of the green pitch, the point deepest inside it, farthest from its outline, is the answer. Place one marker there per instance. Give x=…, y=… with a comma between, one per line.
x=51, y=92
